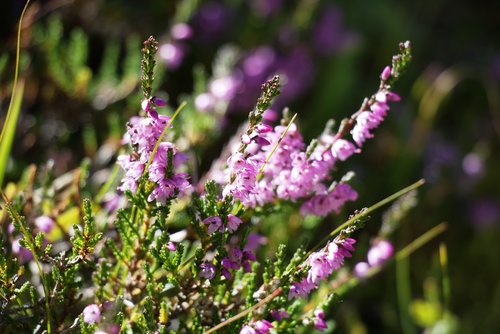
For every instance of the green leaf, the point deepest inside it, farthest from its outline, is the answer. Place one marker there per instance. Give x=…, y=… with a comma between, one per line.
x=9, y=129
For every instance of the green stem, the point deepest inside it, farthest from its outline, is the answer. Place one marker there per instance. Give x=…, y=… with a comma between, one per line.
x=443, y=259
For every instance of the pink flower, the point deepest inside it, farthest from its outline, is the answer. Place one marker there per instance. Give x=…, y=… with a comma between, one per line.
x=319, y=320
x=343, y=149
x=44, y=223
x=321, y=265
x=258, y=327
x=247, y=330
x=324, y=203
x=171, y=246
x=380, y=253
x=263, y=326
x=91, y=314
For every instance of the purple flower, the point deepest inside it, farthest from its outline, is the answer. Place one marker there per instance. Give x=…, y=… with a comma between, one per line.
x=319, y=320
x=380, y=253
x=263, y=326
x=226, y=273
x=91, y=314
x=143, y=134
x=207, y=270
x=229, y=264
x=44, y=223
x=22, y=253
x=279, y=314
x=214, y=224
x=233, y=222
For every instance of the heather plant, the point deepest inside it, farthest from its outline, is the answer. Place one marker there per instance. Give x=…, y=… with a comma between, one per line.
x=168, y=252
x=161, y=249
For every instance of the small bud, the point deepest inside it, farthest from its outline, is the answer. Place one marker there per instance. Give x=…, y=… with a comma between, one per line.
x=386, y=73
x=171, y=246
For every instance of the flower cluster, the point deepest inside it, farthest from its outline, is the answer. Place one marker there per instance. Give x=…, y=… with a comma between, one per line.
x=274, y=164
x=145, y=135
x=321, y=264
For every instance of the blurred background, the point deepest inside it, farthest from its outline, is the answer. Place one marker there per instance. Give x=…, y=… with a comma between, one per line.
x=80, y=70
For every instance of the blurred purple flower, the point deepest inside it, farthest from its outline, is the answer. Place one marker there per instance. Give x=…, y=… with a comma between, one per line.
x=380, y=253
x=265, y=8
x=297, y=72
x=24, y=255
x=172, y=54
x=44, y=223
x=361, y=269
x=258, y=62
x=224, y=88
x=329, y=35
x=205, y=102
x=210, y=22
x=472, y=164
x=485, y=213
x=254, y=241
x=280, y=314
x=181, y=31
